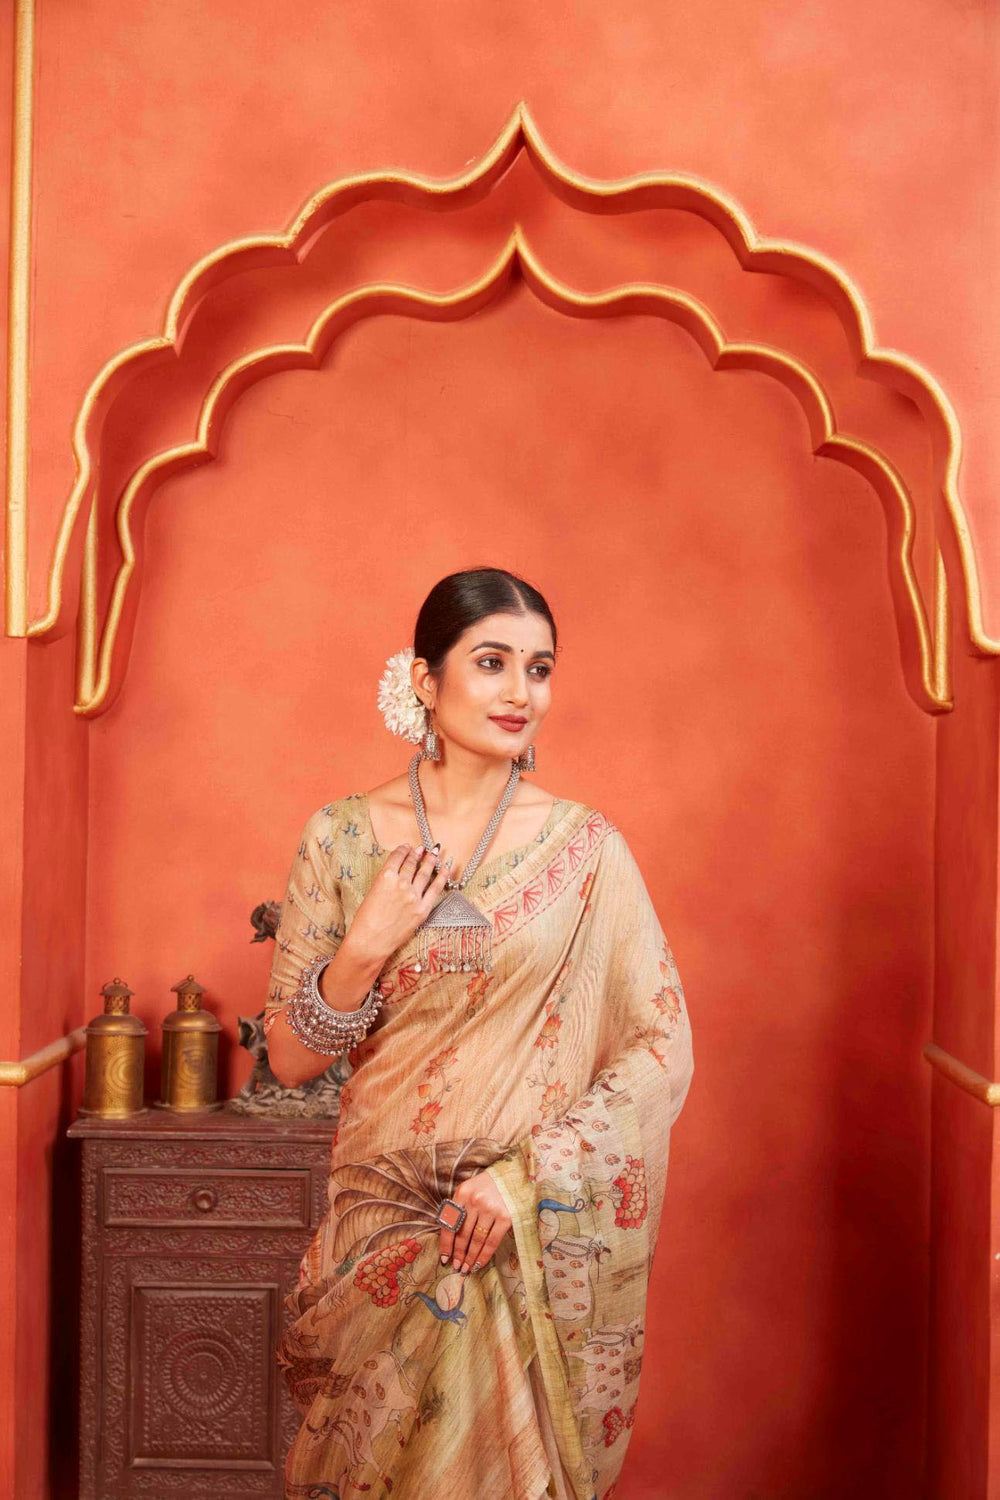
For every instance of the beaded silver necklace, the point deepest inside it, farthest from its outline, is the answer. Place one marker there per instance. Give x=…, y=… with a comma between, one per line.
x=456, y=934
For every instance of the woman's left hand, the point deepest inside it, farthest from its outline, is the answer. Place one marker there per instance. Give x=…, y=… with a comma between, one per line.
x=486, y=1223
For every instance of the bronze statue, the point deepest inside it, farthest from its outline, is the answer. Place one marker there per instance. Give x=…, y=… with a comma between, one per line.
x=263, y=1094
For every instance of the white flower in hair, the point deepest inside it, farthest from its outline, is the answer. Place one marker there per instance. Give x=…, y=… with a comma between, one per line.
x=401, y=708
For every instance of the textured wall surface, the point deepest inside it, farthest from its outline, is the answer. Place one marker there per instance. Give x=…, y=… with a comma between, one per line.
x=736, y=682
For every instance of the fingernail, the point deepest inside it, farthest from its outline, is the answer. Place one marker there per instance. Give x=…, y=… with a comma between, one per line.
x=465, y=1269
x=444, y=1260
x=455, y=1263
x=436, y=847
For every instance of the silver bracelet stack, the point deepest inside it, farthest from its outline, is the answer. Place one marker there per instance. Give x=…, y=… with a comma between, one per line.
x=319, y=1026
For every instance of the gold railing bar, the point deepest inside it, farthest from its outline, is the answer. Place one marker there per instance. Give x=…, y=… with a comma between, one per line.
x=967, y=1078
x=14, y=1074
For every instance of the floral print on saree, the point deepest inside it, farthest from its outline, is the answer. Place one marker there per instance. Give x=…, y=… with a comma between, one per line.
x=562, y=1077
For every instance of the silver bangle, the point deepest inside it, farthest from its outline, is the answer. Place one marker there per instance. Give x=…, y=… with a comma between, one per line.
x=319, y=1026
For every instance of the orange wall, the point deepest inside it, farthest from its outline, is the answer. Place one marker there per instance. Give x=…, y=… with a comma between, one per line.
x=730, y=690
x=729, y=694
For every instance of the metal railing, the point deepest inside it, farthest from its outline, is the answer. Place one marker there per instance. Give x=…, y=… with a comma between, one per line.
x=13, y=1075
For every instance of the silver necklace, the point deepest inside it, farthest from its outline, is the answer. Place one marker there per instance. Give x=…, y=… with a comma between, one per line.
x=456, y=934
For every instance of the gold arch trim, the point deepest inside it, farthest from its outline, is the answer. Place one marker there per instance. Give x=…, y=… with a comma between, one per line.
x=97, y=661
x=648, y=190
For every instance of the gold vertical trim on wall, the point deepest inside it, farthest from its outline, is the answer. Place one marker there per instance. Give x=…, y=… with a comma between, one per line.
x=18, y=319
x=942, y=630
x=87, y=618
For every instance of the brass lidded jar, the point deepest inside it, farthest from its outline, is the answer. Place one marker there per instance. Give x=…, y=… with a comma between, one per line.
x=190, y=1066
x=116, y=1047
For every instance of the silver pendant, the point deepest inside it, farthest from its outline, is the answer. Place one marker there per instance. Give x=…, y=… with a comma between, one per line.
x=455, y=935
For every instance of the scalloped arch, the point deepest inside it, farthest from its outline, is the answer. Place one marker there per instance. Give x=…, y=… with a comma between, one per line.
x=925, y=672
x=923, y=649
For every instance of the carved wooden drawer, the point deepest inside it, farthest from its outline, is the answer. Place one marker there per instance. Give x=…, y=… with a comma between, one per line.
x=150, y=1195
x=193, y=1233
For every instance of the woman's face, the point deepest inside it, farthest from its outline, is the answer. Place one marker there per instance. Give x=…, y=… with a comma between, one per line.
x=501, y=666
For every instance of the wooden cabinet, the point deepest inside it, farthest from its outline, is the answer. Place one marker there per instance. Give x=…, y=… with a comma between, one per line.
x=193, y=1232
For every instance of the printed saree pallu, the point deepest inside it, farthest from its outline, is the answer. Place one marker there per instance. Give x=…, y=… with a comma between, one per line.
x=561, y=1074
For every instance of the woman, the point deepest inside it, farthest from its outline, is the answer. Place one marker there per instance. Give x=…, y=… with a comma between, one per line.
x=469, y=1317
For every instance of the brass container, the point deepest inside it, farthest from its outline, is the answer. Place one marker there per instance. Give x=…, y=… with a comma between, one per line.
x=190, y=1067
x=116, y=1047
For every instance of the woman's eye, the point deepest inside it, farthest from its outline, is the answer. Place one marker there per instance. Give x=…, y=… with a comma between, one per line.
x=539, y=667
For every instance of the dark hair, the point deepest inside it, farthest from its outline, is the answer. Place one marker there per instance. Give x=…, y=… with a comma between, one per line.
x=459, y=600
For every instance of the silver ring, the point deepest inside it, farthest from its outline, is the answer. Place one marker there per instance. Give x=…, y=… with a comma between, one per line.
x=452, y=1228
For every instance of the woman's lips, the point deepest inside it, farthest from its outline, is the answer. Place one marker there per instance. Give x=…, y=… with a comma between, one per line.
x=514, y=725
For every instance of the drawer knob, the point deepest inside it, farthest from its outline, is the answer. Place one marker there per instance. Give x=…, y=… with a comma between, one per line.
x=204, y=1200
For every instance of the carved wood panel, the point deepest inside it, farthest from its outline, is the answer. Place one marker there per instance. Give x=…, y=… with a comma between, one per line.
x=162, y=1195
x=183, y=1299
x=200, y=1357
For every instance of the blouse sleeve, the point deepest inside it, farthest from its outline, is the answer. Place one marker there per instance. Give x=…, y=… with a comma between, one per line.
x=312, y=914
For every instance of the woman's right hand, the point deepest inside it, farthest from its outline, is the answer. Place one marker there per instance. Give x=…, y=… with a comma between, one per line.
x=405, y=891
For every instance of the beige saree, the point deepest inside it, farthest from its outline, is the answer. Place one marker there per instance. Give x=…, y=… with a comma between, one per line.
x=562, y=1073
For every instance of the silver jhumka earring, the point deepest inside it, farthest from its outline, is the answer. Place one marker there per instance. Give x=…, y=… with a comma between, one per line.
x=526, y=759
x=430, y=748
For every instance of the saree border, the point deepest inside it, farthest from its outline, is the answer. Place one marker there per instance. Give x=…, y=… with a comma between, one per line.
x=515, y=898
x=510, y=1172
